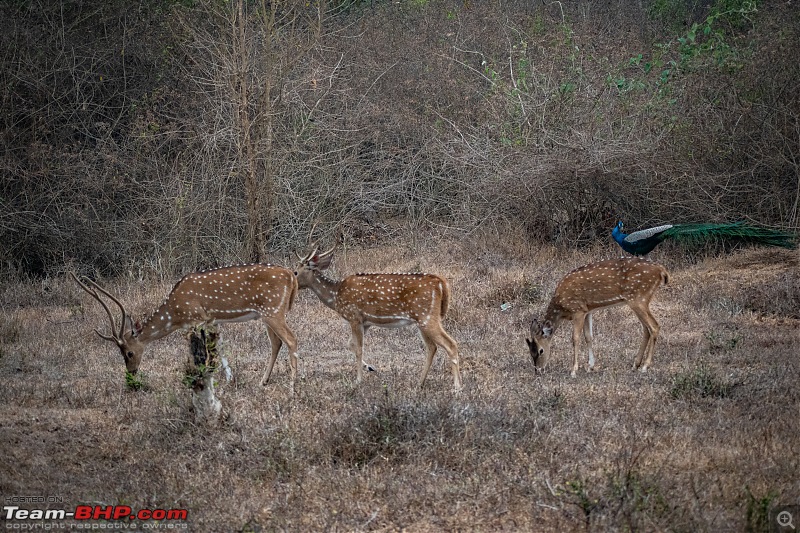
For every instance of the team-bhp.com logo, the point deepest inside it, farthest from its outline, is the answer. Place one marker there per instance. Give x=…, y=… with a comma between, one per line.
x=86, y=517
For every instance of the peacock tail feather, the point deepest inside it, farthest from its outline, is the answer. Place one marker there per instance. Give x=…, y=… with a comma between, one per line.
x=739, y=231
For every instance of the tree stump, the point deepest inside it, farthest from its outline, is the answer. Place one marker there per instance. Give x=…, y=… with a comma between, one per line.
x=199, y=376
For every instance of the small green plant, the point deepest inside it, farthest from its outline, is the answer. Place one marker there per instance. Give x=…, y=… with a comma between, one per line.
x=578, y=489
x=637, y=495
x=567, y=88
x=135, y=382
x=717, y=342
x=758, y=511
x=551, y=402
x=192, y=376
x=699, y=382
x=531, y=292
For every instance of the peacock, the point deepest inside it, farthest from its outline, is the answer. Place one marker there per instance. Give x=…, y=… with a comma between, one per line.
x=643, y=241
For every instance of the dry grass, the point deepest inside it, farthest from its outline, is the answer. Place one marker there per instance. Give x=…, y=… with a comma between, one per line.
x=705, y=441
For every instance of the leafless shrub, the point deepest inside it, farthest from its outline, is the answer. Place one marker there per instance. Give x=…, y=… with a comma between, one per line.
x=210, y=134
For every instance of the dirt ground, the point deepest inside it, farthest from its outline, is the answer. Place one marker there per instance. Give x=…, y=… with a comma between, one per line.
x=707, y=440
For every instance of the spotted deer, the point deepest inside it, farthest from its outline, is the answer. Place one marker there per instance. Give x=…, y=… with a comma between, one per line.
x=384, y=300
x=628, y=280
x=228, y=294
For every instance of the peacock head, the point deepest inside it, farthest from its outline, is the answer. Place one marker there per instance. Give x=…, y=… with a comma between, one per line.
x=539, y=343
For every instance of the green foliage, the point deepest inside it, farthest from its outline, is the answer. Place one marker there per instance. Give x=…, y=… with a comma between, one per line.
x=567, y=88
x=709, y=42
x=537, y=25
x=711, y=39
x=625, y=491
x=722, y=343
x=532, y=292
x=699, y=382
x=635, y=494
x=758, y=519
x=193, y=375
x=551, y=402
x=671, y=13
x=578, y=489
x=135, y=382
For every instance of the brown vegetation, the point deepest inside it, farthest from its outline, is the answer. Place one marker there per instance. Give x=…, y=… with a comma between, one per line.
x=172, y=135
x=706, y=440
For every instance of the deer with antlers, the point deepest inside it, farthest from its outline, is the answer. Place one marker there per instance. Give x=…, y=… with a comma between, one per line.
x=628, y=280
x=228, y=294
x=384, y=300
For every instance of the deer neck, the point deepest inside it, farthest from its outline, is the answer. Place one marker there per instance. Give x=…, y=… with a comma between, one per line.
x=326, y=289
x=555, y=314
x=160, y=324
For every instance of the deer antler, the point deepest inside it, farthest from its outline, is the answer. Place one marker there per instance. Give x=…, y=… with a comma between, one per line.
x=118, y=338
x=326, y=254
x=303, y=259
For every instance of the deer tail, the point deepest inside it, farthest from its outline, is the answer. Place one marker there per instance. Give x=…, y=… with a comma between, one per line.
x=293, y=293
x=445, y=296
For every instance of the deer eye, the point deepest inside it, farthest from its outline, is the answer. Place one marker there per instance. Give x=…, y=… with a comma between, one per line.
x=129, y=354
x=541, y=351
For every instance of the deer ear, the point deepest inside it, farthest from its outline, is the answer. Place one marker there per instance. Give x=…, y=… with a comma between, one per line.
x=547, y=328
x=134, y=327
x=322, y=262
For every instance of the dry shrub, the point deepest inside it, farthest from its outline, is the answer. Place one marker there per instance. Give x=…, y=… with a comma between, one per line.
x=765, y=282
x=550, y=119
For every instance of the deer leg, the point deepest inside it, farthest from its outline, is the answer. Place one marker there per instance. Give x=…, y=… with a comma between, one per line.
x=450, y=346
x=653, y=329
x=368, y=367
x=275, y=343
x=588, y=336
x=282, y=331
x=650, y=329
x=577, y=327
x=357, y=346
x=434, y=336
x=431, y=347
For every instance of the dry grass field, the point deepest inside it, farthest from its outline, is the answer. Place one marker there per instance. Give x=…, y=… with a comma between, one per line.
x=707, y=440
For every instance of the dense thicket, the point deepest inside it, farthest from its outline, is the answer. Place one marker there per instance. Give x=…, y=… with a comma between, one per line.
x=173, y=135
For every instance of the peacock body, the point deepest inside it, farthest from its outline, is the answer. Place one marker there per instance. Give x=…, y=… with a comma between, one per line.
x=643, y=241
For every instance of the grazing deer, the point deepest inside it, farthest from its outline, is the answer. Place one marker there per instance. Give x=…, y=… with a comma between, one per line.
x=229, y=294
x=385, y=300
x=627, y=280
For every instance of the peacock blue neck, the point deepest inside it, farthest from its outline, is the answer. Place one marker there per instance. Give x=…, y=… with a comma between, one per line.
x=617, y=233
